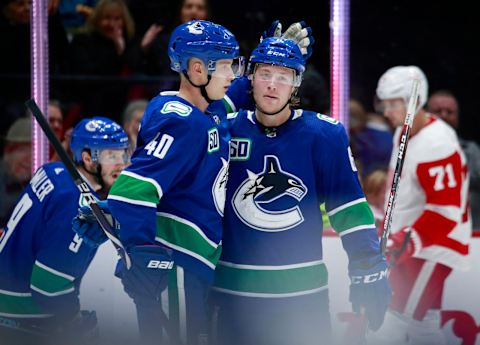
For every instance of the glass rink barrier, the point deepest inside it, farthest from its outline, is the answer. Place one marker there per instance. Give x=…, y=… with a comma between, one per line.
x=460, y=318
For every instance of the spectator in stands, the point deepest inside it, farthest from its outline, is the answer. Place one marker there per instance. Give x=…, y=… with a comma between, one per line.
x=131, y=118
x=371, y=138
x=375, y=187
x=102, y=50
x=152, y=58
x=15, y=168
x=55, y=119
x=444, y=104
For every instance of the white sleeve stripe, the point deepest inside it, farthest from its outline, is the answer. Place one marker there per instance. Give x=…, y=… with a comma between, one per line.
x=230, y=103
x=145, y=179
x=357, y=228
x=53, y=271
x=189, y=224
x=344, y=206
x=51, y=294
x=131, y=201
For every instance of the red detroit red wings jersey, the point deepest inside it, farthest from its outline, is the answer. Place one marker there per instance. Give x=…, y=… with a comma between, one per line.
x=432, y=196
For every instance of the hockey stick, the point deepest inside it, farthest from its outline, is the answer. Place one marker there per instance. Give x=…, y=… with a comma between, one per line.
x=407, y=126
x=79, y=182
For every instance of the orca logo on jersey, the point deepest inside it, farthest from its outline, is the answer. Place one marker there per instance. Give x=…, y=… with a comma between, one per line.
x=269, y=188
x=219, y=188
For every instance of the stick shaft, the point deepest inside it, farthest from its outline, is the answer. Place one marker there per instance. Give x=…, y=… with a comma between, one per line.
x=402, y=150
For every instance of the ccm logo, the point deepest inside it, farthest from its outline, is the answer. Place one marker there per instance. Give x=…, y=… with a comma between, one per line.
x=369, y=278
x=162, y=265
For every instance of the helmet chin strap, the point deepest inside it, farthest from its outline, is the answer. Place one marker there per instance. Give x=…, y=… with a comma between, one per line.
x=203, y=88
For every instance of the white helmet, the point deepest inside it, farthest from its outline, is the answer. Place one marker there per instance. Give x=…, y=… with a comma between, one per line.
x=397, y=82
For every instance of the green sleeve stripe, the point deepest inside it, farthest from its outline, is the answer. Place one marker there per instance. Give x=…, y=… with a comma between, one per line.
x=344, y=206
x=229, y=105
x=184, y=236
x=21, y=305
x=49, y=281
x=134, y=187
x=270, y=282
x=357, y=216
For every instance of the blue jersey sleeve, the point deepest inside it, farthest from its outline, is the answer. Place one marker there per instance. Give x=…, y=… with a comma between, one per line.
x=239, y=95
x=61, y=259
x=169, y=149
x=346, y=206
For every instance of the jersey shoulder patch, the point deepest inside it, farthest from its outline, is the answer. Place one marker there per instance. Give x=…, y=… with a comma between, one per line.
x=327, y=118
x=176, y=107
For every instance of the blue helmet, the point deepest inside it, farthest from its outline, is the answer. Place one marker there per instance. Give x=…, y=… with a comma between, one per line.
x=201, y=39
x=97, y=133
x=279, y=52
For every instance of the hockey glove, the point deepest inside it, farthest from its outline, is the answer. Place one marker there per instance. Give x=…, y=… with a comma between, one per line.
x=302, y=36
x=275, y=30
x=369, y=289
x=148, y=275
x=402, y=245
x=87, y=228
x=297, y=32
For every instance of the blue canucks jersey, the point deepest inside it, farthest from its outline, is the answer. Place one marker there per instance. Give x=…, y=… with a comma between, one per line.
x=173, y=193
x=41, y=259
x=277, y=180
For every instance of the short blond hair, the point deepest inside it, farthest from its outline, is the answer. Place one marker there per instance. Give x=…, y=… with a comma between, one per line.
x=99, y=9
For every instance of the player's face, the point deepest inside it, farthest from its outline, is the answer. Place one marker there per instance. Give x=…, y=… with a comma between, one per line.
x=113, y=162
x=394, y=110
x=445, y=107
x=221, y=79
x=272, y=86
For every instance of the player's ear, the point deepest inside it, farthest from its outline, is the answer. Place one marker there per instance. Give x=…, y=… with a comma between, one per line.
x=87, y=159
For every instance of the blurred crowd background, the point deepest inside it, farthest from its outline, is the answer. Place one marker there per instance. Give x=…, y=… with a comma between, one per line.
x=109, y=57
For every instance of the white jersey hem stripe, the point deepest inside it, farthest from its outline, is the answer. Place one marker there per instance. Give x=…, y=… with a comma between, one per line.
x=16, y=294
x=270, y=295
x=26, y=315
x=270, y=267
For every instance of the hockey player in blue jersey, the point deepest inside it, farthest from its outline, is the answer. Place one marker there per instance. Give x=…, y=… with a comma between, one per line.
x=170, y=201
x=42, y=260
x=271, y=284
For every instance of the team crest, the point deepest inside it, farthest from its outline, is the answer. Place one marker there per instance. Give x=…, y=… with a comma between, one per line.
x=196, y=28
x=259, y=199
x=220, y=187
